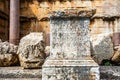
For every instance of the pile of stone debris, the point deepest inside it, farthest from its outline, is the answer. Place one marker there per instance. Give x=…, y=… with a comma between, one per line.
x=29, y=54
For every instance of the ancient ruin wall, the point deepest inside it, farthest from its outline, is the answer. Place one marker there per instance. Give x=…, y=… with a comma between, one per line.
x=4, y=19
x=34, y=14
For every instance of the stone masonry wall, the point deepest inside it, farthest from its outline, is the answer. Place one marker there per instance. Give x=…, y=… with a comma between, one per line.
x=34, y=14
x=4, y=19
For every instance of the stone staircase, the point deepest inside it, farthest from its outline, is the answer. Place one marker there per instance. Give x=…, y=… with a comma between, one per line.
x=18, y=73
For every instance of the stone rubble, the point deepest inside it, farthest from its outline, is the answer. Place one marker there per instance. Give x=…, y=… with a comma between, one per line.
x=102, y=47
x=8, y=54
x=31, y=50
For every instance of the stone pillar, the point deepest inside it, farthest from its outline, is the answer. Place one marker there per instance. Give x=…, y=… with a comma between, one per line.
x=14, y=22
x=70, y=47
x=116, y=38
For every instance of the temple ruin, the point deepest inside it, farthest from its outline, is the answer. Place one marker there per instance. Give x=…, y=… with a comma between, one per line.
x=78, y=39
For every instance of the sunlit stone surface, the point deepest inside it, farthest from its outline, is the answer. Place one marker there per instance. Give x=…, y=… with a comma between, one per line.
x=70, y=47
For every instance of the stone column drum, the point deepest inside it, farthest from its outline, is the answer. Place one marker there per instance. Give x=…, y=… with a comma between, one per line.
x=70, y=47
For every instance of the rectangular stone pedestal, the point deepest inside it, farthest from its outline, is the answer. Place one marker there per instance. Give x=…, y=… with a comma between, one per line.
x=70, y=47
x=70, y=70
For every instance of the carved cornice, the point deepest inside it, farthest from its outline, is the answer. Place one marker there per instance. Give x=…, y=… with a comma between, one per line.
x=72, y=13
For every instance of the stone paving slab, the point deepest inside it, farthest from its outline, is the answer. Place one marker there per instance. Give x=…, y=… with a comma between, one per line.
x=19, y=72
x=110, y=72
x=20, y=79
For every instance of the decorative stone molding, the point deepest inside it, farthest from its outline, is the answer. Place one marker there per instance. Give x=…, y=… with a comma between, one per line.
x=72, y=13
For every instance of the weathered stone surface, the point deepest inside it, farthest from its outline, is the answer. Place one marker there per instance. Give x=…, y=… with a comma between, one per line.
x=8, y=54
x=111, y=8
x=47, y=51
x=106, y=18
x=70, y=70
x=116, y=56
x=19, y=73
x=69, y=40
x=70, y=48
x=73, y=13
x=20, y=79
x=31, y=50
x=102, y=47
x=109, y=73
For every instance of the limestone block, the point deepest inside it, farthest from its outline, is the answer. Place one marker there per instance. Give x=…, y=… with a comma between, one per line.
x=111, y=8
x=97, y=23
x=70, y=47
x=101, y=30
x=102, y=47
x=8, y=54
x=86, y=3
x=31, y=50
x=116, y=57
x=70, y=70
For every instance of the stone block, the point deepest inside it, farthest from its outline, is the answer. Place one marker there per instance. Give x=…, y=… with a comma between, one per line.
x=70, y=47
x=116, y=56
x=102, y=47
x=8, y=54
x=31, y=50
x=86, y=3
x=70, y=70
x=101, y=30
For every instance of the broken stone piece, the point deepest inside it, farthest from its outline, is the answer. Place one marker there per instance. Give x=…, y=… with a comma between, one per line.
x=8, y=56
x=31, y=51
x=102, y=47
x=116, y=57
